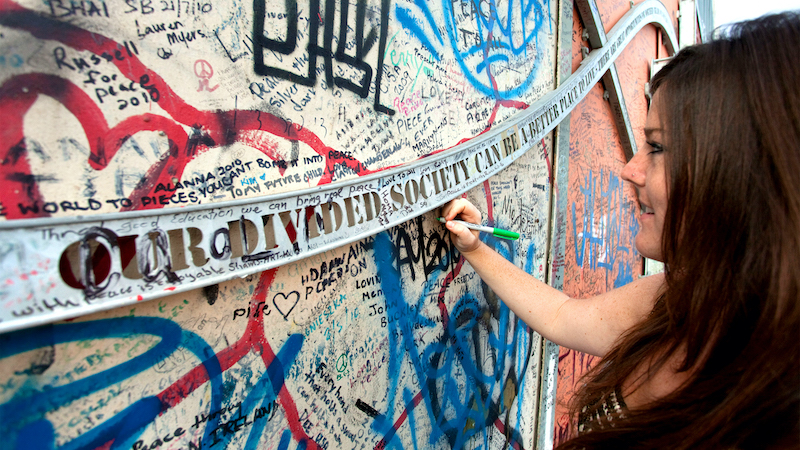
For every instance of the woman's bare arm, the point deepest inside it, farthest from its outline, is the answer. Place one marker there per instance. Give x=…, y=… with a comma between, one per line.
x=589, y=325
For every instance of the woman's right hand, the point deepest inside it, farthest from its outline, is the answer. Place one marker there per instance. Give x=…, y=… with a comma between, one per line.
x=464, y=239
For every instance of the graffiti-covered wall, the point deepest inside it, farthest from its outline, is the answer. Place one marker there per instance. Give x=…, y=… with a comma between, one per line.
x=113, y=108
x=600, y=213
x=139, y=104
x=219, y=220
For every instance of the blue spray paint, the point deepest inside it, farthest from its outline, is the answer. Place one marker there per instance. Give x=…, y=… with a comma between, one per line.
x=27, y=427
x=463, y=373
x=494, y=32
x=607, y=238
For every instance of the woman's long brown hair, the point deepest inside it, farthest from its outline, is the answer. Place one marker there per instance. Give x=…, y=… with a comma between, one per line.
x=731, y=244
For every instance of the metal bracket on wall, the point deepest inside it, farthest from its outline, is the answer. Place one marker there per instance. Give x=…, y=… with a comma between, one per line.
x=590, y=16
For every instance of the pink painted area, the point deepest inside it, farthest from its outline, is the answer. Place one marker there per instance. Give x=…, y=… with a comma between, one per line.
x=595, y=161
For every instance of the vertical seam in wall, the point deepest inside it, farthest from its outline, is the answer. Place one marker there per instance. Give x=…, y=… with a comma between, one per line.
x=558, y=199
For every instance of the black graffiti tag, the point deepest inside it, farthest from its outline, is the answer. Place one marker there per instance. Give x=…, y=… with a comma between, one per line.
x=363, y=44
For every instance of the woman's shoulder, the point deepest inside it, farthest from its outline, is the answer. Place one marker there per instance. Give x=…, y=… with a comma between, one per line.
x=633, y=302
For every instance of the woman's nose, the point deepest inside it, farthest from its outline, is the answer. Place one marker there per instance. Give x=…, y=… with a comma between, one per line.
x=634, y=170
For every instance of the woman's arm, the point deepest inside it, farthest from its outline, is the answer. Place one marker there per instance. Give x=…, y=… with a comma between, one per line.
x=589, y=325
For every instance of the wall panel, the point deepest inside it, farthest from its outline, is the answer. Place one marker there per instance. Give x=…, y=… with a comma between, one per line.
x=602, y=210
x=122, y=107
x=167, y=148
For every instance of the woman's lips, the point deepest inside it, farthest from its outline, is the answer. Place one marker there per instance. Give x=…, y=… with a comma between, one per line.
x=646, y=211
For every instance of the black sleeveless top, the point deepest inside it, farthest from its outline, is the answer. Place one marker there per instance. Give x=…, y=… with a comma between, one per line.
x=601, y=413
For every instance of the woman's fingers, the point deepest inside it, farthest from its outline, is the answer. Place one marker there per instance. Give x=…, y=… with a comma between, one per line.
x=462, y=209
x=464, y=239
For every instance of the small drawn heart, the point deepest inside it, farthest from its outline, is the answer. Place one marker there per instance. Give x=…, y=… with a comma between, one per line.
x=263, y=176
x=285, y=302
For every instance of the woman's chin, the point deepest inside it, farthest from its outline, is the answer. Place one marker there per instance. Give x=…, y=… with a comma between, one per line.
x=649, y=250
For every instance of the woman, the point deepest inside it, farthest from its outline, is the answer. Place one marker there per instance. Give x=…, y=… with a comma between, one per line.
x=706, y=355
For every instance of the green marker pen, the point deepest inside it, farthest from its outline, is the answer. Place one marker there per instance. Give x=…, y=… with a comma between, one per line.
x=505, y=234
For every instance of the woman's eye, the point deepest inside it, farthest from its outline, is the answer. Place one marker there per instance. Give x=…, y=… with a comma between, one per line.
x=655, y=147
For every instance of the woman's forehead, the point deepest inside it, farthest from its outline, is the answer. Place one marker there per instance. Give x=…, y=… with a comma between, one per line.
x=654, y=125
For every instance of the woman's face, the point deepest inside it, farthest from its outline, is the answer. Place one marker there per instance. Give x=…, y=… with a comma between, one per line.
x=647, y=172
